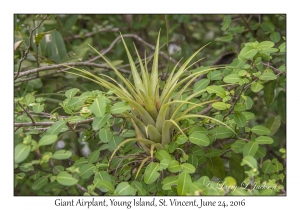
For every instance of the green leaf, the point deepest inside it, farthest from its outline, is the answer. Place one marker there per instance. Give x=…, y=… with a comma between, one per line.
x=39, y=183
x=256, y=87
x=119, y=108
x=201, y=85
x=221, y=132
x=261, y=152
x=216, y=89
x=216, y=166
x=277, y=165
x=282, y=47
x=273, y=123
x=248, y=115
x=199, y=139
x=236, y=170
x=124, y=189
x=281, y=106
x=269, y=92
x=264, y=140
x=99, y=122
x=93, y=157
x=268, y=167
x=151, y=174
x=232, y=78
x=174, y=166
x=260, y=130
x=188, y=168
x=275, y=36
x=214, y=75
x=226, y=22
x=72, y=92
x=105, y=135
x=29, y=98
x=193, y=160
x=249, y=161
x=250, y=149
x=139, y=187
x=248, y=53
x=98, y=107
x=56, y=128
x=181, y=139
x=238, y=146
x=268, y=76
x=227, y=38
x=62, y=155
x=169, y=181
x=221, y=106
x=114, y=142
x=267, y=26
x=47, y=140
x=164, y=163
x=162, y=155
x=55, y=47
x=38, y=108
x=265, y=45
x=64, y=178
x=239, y=119
x=86, y=171
x=105, y=186
x=184, y=182
x=21, y=152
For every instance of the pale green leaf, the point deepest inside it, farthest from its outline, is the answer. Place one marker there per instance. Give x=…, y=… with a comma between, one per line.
x=260, y=130
x=21, y=152
x=64, y=178
x=47, y=140
x=98, y=107
x=62, y=155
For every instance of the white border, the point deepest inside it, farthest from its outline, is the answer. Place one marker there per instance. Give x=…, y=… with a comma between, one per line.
x=8, y=201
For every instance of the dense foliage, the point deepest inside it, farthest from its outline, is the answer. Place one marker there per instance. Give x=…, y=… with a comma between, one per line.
x=150, y=105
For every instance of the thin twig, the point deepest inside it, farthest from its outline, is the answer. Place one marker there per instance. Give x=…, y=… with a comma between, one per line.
x=28, y=48
x=235, y=102
x=49, y=123
x=28, y=114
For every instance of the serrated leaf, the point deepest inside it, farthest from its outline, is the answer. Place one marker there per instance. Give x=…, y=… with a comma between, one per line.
x=268, y=76
x=201, y=85
x=62, y=155
x=119, y=108
x=249, y=161
x=174, y=166
x=64, y=178
x=250, y=149
x=56, y=128
x=39, y=183
x=188, y=168
x=72, y=92
x=232, y=78
x=151, y=174
x=86, y=171
x=239, y=119
x=98, y=107
x=220, y=106
x=264, y=140
x=21, y=152
x=273, y=123
x=47, y=140
x=99, y=122
x=169, y=181
x=163, y=154
x=184, y=182
x=199, y=139
x=260, y=130
x=93, y=157
x=124, y=189
x=256, y=87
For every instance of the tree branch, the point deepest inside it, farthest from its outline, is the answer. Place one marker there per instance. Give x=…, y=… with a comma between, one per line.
x=29, y=46
x=28, y=114
x=49, y=123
